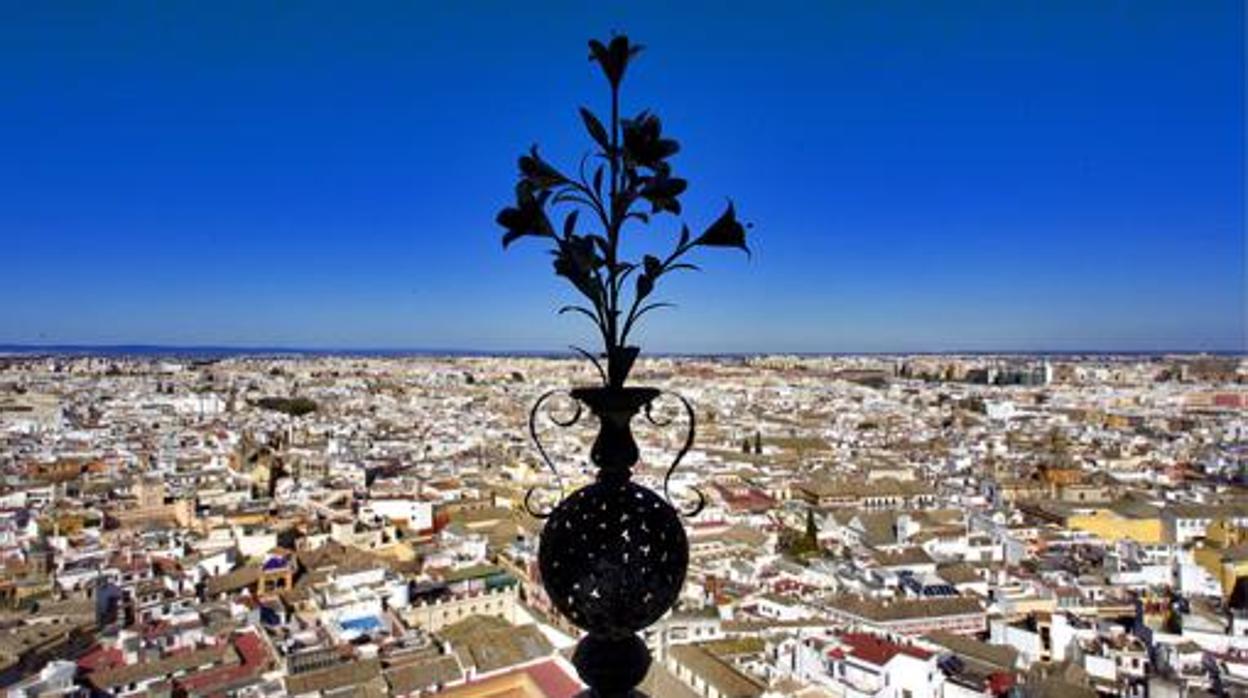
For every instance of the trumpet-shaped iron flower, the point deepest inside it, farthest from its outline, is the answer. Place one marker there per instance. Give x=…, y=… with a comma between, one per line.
x=726, y=231
x=527, y=217
x=644, y=144
x=662, y=192
x=539, y=173
x=613, y=57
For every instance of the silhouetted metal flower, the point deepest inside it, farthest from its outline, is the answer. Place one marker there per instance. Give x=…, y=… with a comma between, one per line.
x=662, y=192
x=726, y=231
x=577, y=261
x=632, y=167
x=644, y=144
x=527, y=217
x=539, y=173
x=613, y=57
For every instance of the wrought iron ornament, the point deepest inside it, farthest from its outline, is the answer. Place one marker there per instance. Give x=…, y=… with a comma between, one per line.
x=612, y=444
x=613, y=554
x=631, y=186
x=614, y=557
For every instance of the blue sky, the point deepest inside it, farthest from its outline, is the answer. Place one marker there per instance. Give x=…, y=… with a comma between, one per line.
x=922, y=175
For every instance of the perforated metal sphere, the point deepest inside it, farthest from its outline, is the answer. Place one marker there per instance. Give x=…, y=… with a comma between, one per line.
x=613, y=557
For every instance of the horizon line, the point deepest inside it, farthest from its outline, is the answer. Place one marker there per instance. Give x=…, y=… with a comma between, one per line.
x=157, y=349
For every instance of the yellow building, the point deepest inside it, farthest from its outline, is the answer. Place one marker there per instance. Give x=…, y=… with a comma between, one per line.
x=1224, y=534
x=1225, y=554
x=1123, y=520
x=1227, y=565
x=514, y=684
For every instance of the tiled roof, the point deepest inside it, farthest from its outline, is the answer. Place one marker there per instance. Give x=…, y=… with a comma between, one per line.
x=106, y=679
x=881, y=487
x=501, y=647
x=958, y=573
x=546, y=679
x=232, y=581
x=255, y=658
x=1000, y=656
x=879, y=651
x=424, y=674
x=907, y=556
x=334, y=678
x=904, y=609
x=727, y=679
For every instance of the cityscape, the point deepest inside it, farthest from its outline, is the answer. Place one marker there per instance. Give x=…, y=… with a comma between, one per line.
x=632, y=349
x=940, y=525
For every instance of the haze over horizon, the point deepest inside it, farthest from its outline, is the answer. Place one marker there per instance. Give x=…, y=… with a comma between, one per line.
x=922, y=176
x=227, y=350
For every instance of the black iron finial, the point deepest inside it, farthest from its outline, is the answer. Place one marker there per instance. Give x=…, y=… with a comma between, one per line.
x=634, y=171
x=613, y=554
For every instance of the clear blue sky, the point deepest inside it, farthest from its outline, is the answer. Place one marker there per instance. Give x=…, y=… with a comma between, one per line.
x=922, y=175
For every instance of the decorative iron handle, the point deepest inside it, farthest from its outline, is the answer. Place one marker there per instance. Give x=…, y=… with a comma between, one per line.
x=680, y=455
x=650, y=416
x=563, y=424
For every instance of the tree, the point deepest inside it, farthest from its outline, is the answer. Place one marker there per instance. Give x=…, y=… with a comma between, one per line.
x=801, y=545
x=812, y=531
x=293, y=406
x=1058, y=442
